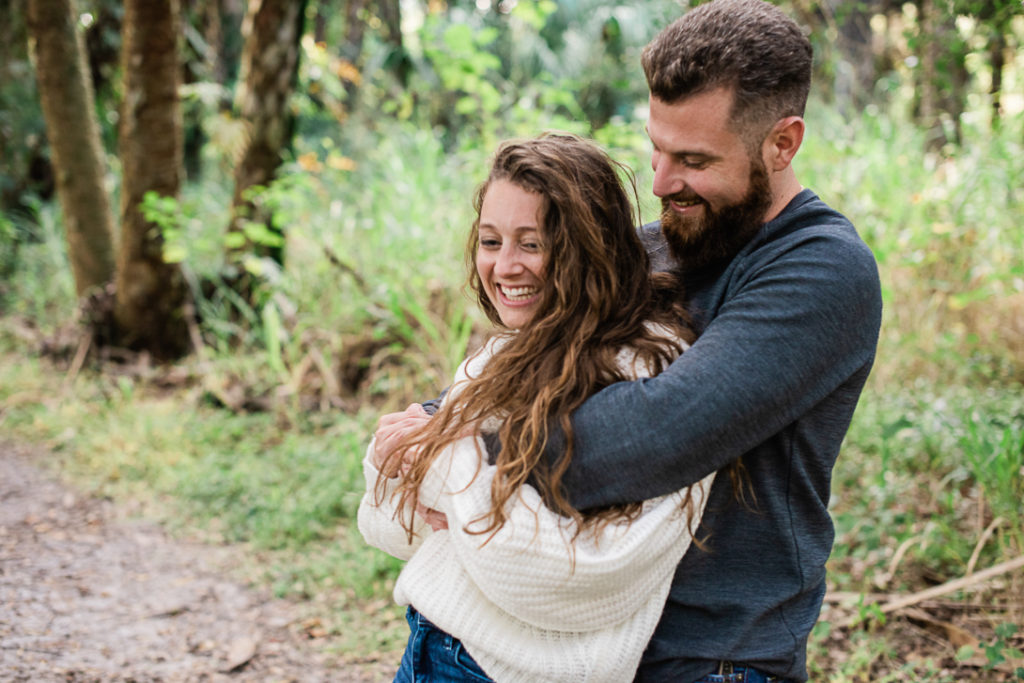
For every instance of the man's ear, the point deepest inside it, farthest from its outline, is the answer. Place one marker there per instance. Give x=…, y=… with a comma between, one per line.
x=782, y=142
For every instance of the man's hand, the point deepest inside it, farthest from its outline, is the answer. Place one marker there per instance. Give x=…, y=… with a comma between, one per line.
x=392, y=430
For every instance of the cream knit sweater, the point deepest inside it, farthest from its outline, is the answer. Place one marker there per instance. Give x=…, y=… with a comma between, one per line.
x=529, y=605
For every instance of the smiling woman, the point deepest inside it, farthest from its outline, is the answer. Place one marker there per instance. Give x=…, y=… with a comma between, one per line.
x=505, y=579
x=509, y=256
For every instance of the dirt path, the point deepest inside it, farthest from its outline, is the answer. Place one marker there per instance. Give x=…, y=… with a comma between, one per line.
x=85, y=596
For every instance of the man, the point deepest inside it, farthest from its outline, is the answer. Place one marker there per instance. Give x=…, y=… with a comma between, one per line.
x=786, y=299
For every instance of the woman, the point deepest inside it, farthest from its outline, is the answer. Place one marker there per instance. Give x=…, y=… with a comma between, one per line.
x=532, y=589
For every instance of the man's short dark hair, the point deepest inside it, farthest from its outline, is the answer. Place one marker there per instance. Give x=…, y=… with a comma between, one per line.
x=749, y=46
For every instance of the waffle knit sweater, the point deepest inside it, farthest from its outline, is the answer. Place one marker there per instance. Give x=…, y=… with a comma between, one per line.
x=530, y=605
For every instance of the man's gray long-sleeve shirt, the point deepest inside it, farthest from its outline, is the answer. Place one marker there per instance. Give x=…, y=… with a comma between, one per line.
x=788, y=331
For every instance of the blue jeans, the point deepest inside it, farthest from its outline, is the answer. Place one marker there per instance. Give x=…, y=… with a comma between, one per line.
x=743, y=674
x=433, y=656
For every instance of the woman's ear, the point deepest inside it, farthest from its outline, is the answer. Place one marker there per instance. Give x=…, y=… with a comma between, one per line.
x=782, y=142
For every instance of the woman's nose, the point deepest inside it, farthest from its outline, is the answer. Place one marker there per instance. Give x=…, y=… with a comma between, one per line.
x=508, y=262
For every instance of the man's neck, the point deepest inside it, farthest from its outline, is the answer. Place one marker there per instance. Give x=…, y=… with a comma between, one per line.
x=785, y=186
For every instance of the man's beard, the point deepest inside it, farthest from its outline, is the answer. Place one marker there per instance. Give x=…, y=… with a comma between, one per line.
x=717, y=236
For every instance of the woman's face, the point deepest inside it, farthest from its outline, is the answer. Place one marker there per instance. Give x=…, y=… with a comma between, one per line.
x=510, y=254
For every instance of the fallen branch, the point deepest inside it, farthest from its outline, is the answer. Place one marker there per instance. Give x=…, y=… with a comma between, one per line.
x=987, y=534
x=954, y=585
x=84, y=342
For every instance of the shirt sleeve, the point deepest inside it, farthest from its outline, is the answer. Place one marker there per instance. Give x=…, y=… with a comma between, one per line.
x=379, y=523
x=791, y=330
x=546, y=578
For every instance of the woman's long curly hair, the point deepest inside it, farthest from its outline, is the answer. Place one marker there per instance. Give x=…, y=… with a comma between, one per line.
x=598, y=298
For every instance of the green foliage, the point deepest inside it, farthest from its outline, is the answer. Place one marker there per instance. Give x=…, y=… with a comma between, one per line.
x=39, y=285
x=22, y=131
x=994, y=449
x=997, y=651
x=9, y=241
x=953, y=434
x=462, y=63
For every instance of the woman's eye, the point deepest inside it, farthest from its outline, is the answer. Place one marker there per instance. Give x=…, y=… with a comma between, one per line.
x=490, y=243
x=531, y=246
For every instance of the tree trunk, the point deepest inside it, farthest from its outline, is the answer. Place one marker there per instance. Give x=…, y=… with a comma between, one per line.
x=855, y=70
x=322, y=11
x=997, y=57
x=927, y=85
x=65, y=91
x=390, y=14
x=351, y=48
x=151, y=294
x=355, y=29
x=270, y=60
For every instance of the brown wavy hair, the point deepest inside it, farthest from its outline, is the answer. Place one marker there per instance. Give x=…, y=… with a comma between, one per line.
x=598, y=297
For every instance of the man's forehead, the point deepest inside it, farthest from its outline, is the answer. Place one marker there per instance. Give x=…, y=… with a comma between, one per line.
x=696, y=124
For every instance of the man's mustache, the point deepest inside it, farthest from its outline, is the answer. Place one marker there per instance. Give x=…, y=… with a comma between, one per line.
x=682, y=198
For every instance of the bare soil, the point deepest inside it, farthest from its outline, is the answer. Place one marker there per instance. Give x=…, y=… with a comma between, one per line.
x=87, y=594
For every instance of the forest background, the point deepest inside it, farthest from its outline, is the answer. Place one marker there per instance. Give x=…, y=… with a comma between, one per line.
x=293, y=180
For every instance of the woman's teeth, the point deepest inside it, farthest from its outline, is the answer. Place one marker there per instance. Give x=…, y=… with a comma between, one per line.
x=517, y=292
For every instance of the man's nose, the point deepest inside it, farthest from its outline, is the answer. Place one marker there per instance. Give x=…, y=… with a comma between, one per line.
x=668, y=180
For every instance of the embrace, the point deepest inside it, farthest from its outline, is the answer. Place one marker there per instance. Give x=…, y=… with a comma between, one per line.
x=630, y=480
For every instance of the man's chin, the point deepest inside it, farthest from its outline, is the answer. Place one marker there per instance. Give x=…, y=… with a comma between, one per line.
x=687, y=239
x=696, y=244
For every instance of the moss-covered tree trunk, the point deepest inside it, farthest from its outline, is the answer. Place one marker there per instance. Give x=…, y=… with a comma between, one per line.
x=65, y=91
x=151, y=294
x=270, y=60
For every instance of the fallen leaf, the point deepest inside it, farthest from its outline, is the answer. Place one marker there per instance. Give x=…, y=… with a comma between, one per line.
x=957, y=636
x=241, y=651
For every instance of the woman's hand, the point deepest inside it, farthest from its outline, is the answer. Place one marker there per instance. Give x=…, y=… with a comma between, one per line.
x=392, y=430
x=436, y=519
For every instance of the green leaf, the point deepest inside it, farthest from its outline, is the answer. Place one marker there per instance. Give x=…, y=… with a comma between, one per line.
x=459, y=38
x=259, y=233
x=272, y=332
x=234, y=240
x=174, y=252
x=467, y=105
x=1005, y=630
x=964, y=653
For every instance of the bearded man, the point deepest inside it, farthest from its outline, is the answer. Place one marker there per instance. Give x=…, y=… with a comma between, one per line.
x=786, y=299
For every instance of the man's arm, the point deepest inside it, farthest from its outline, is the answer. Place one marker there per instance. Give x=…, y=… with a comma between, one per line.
x=789, y=332
x=539, y=567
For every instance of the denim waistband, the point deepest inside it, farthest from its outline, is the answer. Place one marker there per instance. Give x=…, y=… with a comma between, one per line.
x=730, y=672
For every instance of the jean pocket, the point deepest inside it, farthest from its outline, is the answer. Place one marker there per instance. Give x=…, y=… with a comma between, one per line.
x=469, y=666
